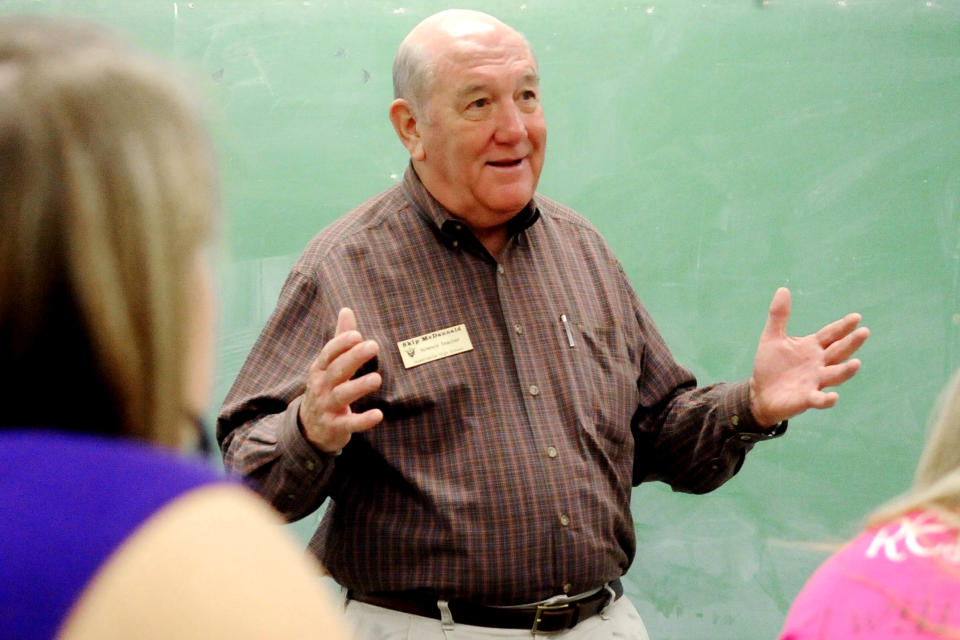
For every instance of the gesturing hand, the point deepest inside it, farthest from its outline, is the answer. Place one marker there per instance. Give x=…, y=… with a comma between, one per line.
x=789, y=374
x=325, y=414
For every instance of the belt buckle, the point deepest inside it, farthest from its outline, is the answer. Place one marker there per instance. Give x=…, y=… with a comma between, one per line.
x=546, y=607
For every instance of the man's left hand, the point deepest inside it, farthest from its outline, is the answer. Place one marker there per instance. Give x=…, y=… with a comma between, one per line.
x=789, y=374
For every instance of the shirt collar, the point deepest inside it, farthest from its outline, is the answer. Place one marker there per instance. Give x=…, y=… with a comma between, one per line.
x=449, y=226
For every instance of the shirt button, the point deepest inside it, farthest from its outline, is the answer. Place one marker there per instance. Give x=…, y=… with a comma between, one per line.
x=534, y=390
x=309, y=465
x=567, y=588
x=564, y=519
x=552, y=452
x=735, y=420
x=518, y=329
x=455, y=243
x=500, y=269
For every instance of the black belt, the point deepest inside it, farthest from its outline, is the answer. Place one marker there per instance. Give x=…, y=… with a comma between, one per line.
x=542, y=618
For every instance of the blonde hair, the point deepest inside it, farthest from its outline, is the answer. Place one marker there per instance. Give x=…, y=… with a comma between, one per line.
x=107, y=192
x=936, y=484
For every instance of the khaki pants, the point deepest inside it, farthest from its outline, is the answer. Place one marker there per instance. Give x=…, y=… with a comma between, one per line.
x=376, y=623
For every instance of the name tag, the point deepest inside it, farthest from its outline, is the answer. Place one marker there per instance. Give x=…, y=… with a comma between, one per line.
x=435, y=345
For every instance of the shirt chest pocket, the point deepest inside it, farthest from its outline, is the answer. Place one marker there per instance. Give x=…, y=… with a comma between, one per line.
x=604, y=376
x=426, y=406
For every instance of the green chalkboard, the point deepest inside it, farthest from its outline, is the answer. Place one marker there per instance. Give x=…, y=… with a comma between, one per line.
x=724, y=147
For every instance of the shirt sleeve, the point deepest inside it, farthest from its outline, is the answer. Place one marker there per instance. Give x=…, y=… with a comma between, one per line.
x=258, y=427
x=693, y=439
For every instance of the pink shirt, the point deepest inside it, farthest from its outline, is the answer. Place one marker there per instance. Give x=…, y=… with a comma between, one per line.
x=900, y=581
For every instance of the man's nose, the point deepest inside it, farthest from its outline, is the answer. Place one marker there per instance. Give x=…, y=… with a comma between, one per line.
x=511, y=127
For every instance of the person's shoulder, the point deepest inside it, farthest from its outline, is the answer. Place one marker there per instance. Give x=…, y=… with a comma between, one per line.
x=71, y=500
x=572, y=223
x=825, y=591
x=355, y=227
x=214, y=563
x=571, y=230
x=911, y=558
x=553, y=210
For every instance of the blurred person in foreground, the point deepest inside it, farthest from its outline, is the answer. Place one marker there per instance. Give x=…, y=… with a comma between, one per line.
x=107, y=200
x=900, y=578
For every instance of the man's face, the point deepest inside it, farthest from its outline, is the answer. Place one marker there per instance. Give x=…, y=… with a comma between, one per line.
x=482, y=131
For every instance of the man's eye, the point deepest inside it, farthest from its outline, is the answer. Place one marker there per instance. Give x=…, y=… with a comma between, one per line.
x=479, y=103
x=529, y=95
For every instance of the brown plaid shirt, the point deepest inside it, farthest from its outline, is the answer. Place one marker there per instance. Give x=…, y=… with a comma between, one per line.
x=503, y=473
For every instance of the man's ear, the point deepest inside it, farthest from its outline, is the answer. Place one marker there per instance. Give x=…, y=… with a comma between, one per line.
x=405, y=123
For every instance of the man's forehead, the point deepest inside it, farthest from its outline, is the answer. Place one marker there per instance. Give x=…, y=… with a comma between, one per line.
x=472, y=62
x=471, y=85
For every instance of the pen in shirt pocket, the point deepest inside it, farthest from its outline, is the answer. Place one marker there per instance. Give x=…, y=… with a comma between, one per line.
x=566, y=327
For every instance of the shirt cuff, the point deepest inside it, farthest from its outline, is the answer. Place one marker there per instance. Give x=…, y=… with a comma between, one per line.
x=741, y=419
x=294, y=444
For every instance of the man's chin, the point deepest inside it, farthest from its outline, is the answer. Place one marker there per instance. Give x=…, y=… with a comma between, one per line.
x=510, y=201
x=506, y=211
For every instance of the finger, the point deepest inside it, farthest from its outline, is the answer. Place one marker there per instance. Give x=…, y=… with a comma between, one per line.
x=846, y=347
x=779, y=314
x=346, y=321
x=334, y=349
x=345, y=394
x=341, y=428
x=837, y=374
x=360, y=421
x=823, y=400
x=346, y=365
x=837, y=329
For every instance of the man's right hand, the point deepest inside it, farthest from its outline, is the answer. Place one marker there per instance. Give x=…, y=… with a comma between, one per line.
x=325, y=413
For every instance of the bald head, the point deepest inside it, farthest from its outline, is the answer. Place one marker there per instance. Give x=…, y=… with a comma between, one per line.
x=437, y=36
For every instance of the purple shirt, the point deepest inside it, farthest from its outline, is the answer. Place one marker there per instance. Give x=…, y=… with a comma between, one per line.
x=67, y=502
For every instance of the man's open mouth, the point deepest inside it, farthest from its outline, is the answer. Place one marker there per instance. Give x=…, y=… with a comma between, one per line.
x=506, y=163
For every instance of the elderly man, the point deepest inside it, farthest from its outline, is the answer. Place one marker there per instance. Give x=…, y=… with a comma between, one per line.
x=461, y=365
